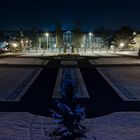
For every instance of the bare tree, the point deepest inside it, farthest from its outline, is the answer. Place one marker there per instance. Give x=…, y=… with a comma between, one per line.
x=59, y=36
x=77, y=37
x=106, y=36
x=123, y=37
x=34, y=38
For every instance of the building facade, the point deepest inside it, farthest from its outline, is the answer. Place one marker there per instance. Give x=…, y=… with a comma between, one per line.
x=89, y=40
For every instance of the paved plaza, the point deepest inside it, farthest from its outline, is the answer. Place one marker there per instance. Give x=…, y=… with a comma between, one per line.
x=108, y=87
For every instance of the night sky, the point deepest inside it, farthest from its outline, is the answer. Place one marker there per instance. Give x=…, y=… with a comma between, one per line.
x=93, y=14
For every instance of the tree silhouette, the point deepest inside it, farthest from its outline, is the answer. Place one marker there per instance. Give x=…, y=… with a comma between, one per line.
x=78, y=36
x=34, y=38
x=59, y=35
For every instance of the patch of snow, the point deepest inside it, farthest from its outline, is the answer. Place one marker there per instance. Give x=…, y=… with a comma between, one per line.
x=125, y=81
x=25, y=126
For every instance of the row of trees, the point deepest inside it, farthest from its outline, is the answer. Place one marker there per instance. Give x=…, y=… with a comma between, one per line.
x=124, y=37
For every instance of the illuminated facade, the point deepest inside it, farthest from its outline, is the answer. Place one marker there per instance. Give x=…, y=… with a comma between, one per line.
x=89, y=40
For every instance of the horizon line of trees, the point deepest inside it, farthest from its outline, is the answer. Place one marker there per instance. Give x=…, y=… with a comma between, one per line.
x=123, y=35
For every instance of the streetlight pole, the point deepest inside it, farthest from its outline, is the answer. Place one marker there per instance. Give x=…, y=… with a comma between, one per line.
x=90, y=34
x=47, y=35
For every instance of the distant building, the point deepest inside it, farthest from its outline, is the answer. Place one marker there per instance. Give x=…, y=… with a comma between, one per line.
x=88, y=41
x=68, y=38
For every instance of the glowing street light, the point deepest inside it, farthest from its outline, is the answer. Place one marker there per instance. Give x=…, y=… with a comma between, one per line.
x=90, y=34
x=54, y=45
x=47, y=35
x=14, y=45
x=122, y=44
x=134, y=33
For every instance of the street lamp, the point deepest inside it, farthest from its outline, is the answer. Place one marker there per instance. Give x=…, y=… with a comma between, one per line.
x=54, y=45
x=122, y=44
x=90, y=34
x=15, y=45
x=134, y=33
x=47, y=35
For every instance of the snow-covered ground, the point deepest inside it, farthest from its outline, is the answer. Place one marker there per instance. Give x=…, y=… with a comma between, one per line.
x=26, y=126
x=39, y=52
x=119, y=60
x=109, y=53
x=129, y=53
x=116, y=126
x=13, y=60
x=14, y=82
x=98, y=53
x=125, y=80
x=88, y=52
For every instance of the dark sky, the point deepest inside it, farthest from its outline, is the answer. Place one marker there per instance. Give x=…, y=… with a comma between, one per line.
x=92, y=13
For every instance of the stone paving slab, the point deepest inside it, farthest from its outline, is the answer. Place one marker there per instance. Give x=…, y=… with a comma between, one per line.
x=26, y=126
x=119, y=60
x=28, y=61
x=125, y=81
x=15, y=81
